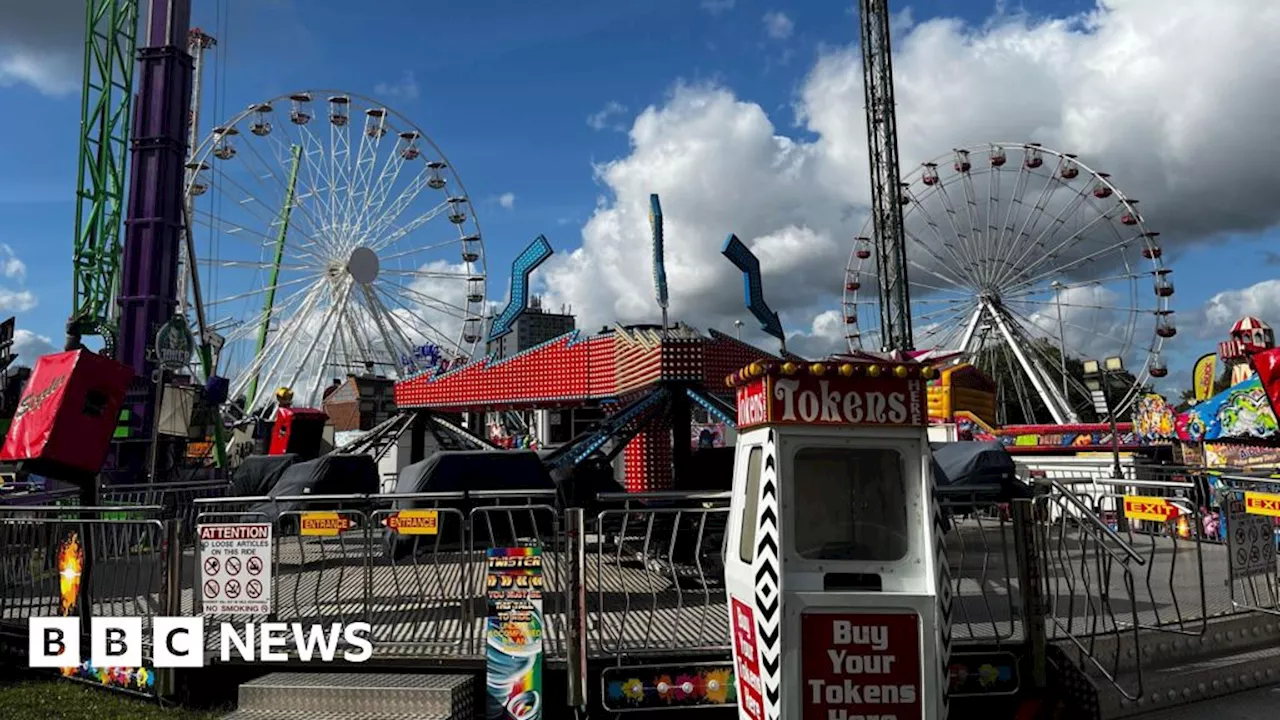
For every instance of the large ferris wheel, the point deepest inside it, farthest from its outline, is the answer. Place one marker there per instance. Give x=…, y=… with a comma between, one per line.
x=1025, y=260
x=333, y=237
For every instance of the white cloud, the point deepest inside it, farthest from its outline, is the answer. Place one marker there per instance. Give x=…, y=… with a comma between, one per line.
x=406, y=88
x=778, y=26
x=10, y=266
x=607, y=117
x=42, y=45
x=28, y=346
x=14, y=298
x=507, y=200
x=1115, y=85
x=1220, y=312
x=717, y=7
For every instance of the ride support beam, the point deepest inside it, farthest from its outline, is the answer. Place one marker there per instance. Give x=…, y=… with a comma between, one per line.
x=153, y=230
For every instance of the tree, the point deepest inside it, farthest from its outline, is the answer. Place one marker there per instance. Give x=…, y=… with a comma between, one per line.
x=1015, y=394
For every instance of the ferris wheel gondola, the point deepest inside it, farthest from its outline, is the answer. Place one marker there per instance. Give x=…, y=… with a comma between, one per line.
x=334, y=237
x=1026, y=260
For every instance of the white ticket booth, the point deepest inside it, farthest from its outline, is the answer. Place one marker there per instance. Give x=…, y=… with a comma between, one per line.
x=839, y=592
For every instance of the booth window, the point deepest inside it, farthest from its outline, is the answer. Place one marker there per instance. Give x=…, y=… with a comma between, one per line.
x=850, y=504
x=747, y=540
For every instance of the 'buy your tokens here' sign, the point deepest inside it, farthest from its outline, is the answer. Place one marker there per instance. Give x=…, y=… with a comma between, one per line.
x=861, y=666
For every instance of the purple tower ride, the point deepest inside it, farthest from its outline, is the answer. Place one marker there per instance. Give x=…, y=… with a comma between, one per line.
x=153, y=227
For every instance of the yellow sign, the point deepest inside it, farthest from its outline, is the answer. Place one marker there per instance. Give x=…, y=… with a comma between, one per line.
x=1203, y=375
x=1262, y=504
x=1142, y=507
x=413, y=522
x=325, y=524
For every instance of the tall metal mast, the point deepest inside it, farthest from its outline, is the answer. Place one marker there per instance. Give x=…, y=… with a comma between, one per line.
x=197, y=43
x=886, y=187
x=105, y=101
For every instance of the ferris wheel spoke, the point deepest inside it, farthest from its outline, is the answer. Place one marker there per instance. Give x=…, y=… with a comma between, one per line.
x=1026, y=322
x=260, y=325
x=272, y=219
x=260, y=240
x=409, y=227
x=433, y=303
x=333, y=314
x=967, y=242
x=407, y=196
x=976, y=231
x=1022, y=286
x=325, y=183
x=443, y=339
x=919, y=207
x=1030, y=221
x=1098, y=223
x=420, y=249
x=278, y=346
x=300, y=212
x=376, y=127
x=1010, y=267
x=1006, y=243
x=398, y=323
x=376, y=199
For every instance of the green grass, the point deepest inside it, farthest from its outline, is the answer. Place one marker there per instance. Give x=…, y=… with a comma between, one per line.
x=53, y=699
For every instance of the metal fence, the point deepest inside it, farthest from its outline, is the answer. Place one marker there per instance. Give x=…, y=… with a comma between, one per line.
x=640, y=575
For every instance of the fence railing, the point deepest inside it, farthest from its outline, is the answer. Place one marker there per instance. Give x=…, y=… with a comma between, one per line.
x=640, y=576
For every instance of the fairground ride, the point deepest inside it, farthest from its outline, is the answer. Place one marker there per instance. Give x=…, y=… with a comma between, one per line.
x=334, y=238
x=1024, y=258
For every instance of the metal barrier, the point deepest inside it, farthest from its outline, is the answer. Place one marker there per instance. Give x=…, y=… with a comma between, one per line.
x=422, y=594
x=1089, y=581
x=1252, y=586
x=43, y=554
x=637, y=575
x=655, y=578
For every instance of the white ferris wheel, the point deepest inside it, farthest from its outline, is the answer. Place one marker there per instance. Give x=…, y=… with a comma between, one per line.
x=332, y=237
x=1025, y=260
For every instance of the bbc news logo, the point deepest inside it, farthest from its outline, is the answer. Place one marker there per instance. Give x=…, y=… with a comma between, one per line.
x=178, y=642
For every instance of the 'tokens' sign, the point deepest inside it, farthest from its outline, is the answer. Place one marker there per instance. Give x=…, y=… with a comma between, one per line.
x=832, y=401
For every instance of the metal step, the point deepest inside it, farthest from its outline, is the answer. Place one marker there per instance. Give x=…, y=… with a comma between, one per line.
x=1171, y=686
x=357, y=696
x=1219, y=636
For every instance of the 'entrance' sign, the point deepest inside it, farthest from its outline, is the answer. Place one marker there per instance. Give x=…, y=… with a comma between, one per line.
x=860, y=666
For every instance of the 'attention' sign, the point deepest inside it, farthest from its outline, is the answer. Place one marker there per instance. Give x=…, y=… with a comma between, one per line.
x=861, y=666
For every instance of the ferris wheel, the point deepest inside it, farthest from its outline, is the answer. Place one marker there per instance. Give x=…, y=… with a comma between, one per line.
x=1026, y=261
x=332, y=237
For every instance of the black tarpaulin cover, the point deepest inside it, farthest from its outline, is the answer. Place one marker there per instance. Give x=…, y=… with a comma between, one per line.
x=258, y=474
x=470, y=471
x=463, y=470
x=986, y=468
x=331, y=474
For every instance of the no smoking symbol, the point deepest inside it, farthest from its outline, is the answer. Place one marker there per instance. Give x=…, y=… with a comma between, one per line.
x=233, y=565
x=253, y=589
x=211, y=588
x=233, y=589
x=254, y=565
x=211, y=566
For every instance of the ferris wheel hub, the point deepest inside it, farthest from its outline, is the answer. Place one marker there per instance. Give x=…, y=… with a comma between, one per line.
x=363, y=265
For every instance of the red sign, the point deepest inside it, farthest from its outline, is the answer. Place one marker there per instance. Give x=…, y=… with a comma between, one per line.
x=68, y=411
x=805, y=399
x=861, y=665
x=750, y=691
x=753, y=403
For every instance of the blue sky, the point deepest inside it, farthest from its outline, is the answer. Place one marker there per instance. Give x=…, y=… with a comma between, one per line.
x=518, y=95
